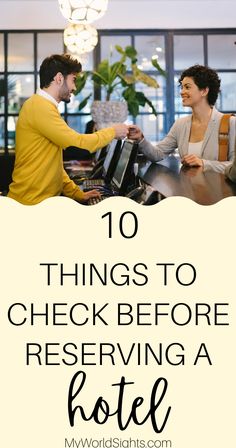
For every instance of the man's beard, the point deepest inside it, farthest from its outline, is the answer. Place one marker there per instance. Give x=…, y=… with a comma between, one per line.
x=64, y=93
x=65, y=100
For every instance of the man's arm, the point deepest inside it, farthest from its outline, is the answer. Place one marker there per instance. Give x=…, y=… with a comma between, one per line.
x=71, y=190
x=51, y=125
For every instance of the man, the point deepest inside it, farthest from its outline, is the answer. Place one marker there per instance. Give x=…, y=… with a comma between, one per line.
x=41, y=134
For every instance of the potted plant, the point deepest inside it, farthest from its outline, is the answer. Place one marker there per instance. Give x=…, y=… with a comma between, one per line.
x=120, y=76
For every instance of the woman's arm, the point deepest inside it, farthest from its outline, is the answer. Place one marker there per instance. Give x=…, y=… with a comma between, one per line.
x=161, y=149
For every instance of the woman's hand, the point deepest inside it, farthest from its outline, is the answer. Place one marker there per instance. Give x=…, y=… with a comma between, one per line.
x=135, y=133
x=191, y=171
x=192, y=160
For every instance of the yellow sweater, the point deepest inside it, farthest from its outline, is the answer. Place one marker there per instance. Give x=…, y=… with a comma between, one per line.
x=41, y=133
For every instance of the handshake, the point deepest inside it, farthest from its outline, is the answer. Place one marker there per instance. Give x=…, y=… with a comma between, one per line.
x=130, y=131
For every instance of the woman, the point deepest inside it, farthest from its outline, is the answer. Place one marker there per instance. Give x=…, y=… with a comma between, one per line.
x=196, y=136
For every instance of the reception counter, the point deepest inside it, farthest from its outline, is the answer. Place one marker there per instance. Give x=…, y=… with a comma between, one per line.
x=169, y=178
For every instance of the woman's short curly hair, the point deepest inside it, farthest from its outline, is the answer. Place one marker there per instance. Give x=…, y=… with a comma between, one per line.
x=204, y=77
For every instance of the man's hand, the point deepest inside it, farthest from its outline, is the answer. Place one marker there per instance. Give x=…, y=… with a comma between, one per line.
x=121, y=130
x=192, y=160
x=91, y=194
x=135, y=133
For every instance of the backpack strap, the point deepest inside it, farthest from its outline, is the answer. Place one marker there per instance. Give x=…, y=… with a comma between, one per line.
x=224, y=137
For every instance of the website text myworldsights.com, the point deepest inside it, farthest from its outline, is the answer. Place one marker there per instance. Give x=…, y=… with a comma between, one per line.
x=116, y=443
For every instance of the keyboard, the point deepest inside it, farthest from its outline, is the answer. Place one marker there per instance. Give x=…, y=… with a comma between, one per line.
x=106, y=192
x=93, y=201
x=79, y=178
x=93, y=183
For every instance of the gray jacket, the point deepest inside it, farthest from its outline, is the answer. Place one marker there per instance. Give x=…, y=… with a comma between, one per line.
x=178, y=137
x=231, y=170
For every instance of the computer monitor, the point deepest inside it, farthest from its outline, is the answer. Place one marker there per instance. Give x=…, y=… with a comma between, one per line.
x=100, y=154
x=123, y=170
x=113, y=154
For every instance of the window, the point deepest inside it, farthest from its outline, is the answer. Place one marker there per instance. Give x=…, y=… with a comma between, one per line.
x=20, y=87
x=150, y=46
x=47, y=44
x=188, y=50
x=175, y=50
x=20, y=56
x=227, y=98
x=2, y=62
x=222, y=51
x=108, y=43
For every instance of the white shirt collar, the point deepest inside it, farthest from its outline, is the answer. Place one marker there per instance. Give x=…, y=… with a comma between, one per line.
x=47, y=96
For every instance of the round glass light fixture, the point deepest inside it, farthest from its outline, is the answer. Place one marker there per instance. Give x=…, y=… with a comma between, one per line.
x=80, y=39
x=83, y=11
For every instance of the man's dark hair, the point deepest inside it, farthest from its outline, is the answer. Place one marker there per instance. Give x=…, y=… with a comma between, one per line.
x=64, y=64
x=204, y=77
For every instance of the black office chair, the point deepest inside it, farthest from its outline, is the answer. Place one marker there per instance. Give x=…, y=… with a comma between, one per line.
x=74, y=153
x=6, y=169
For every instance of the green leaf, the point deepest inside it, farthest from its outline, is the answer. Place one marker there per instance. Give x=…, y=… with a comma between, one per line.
x=103, y=66
x=158, y=67
x=129, y=94
x=122, y=69
x=141, y=98
x=151, y=105
x=101, y=74
x=80, y=82
x=144, y=78
x=115, y=69
x=119, y=49
x=128, y=79
x=131, y=53
x=133, y=108
x=96, y=77
x=83, y=103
